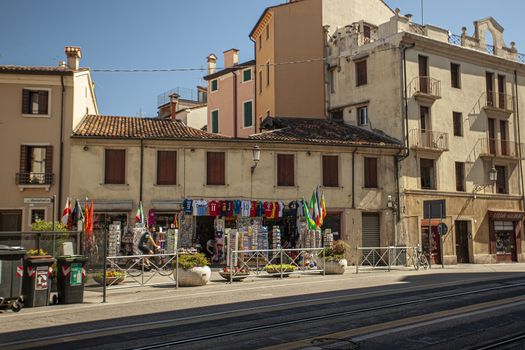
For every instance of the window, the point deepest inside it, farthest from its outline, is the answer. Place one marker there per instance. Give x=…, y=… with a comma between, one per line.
x=260, y=42
x=501, y=182
x=458, y=123
x=215, y=168
x=248, y=114
x=337, y=116
x=115, y=167
x=331, y=171
x=37, y=215
x=166, y=167
x=362, y=116
x=366, y=33
x=426, y=168
x=332, y=81
x=247, y=75
x=424, y=118
x=360, y=72
x=35, y=102
x=36, y=165
x=267, y=32
x=332, y=221
x=215, y=121
x=214, y=85
x=370, y=172
x=260, y=81
x=455, y=75
x=460, y=176
x=285, y=170
x=267, y=73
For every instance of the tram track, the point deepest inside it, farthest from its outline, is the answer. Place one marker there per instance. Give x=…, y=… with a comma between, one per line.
x=498, y=344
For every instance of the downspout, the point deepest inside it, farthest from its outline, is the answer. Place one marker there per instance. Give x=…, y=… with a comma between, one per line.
x=519, y=136
x=61, y=151
x=397, y=158
x=255, y=85
x=141, y=168
x=326, y=66
x=353, y=178
x=404, y=100
x=234, y=104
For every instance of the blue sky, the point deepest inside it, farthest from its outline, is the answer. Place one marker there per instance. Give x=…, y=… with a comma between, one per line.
x=128, y=34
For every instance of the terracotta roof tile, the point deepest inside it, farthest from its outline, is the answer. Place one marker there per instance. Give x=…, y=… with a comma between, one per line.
x=38, y=69
x=134, y=127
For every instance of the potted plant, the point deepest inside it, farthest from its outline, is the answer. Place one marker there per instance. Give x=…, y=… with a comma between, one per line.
x=332, y=259
x=193, y=270
x=113, y=277
x=238, y=273
x=284, y=269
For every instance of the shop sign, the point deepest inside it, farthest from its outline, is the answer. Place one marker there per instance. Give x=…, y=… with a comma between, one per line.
x=37, y=200
x=42, y=278
x=506, y=216
x=75, y=278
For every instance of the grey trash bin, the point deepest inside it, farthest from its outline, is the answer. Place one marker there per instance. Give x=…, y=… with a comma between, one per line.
x=11, y=273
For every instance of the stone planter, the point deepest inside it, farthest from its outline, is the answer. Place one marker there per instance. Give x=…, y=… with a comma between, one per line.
x=334, y=267
x=196, y=276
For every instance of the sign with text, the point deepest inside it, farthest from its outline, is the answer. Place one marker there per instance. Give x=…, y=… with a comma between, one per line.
x=435, y=209
x=41, y=200
x=75, y=277
x=42, y=278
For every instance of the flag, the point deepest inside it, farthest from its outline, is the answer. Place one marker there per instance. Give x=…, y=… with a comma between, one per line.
x=151, y=217
x=74, y=215
x=323, y=205
x=66, y=213
x=315, y=207
x=319, y=217
x=310, y=222
x=89, y=218
x=139, y=217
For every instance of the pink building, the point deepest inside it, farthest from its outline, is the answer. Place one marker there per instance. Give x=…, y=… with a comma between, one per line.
x=231, y=96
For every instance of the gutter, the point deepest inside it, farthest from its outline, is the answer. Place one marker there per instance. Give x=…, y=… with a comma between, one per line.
x=61, y=151
x=404, y=101
x=353, y=178
x=519, y=135
x=255, y=77
x=234, y=104
x=141, y=169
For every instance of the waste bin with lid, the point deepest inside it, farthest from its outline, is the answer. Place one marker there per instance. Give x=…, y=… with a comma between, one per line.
x=70, y=274
x=37, y=274
x=11, y=272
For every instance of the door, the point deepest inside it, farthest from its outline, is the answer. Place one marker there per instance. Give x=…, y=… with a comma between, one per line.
x=503, y=134
x=11, y=220
x=424, y=80
x=461, y=228
x=505, y=235
x=431, y=245
x=492, y=136
x=489, y=82
x=371, y=234
x=501, y=91
x=424, y=122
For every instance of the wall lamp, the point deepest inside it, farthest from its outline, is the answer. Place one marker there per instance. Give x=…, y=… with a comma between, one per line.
x=256, y=157
x=493, y=174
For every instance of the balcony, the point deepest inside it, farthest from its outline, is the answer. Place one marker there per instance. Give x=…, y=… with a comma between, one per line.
x=425, y=89
x=34, y=180
x=499, y=104
x=429, y=140
x=497, y=148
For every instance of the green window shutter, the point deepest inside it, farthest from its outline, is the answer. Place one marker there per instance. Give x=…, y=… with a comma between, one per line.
x=215, y=122
x=247, y=75
x=248, y=114
x=214, y=85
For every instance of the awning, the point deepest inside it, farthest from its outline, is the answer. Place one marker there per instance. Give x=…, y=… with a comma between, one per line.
x=167, y=205
x=501, y=214
x=102, y=205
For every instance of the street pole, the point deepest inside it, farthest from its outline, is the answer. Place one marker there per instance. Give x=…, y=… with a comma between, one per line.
x=441, y=236
x=53, y=201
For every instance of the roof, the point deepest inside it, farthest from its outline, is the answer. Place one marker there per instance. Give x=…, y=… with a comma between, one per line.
x=230, y=69
x=39, y=69
x=105, y=126
x=321, y=131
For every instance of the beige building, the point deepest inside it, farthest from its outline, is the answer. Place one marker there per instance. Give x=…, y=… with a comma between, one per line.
x=190, y=108
x=39, y=107
x=290, y=51
x=162, y=163
x=455, y=101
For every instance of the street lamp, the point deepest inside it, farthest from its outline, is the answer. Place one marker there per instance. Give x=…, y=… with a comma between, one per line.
x=392, y=205
x=256, y=157
x=493, y=174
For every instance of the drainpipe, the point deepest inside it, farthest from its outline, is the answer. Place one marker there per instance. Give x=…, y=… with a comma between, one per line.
x=234, y=104
x=141, y=168
x=519, y=135
x=326, y=66
x=61, y=151
x=255, y=77
x=404, y=100
x=397, y=158
x=353, y=178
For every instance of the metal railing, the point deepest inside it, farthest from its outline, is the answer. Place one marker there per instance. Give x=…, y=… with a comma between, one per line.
x=499, y=100
x=429, y=139
x=384, y=258
x=34, y=179
x=426, y=85
x=49, y=242
x=500, y=148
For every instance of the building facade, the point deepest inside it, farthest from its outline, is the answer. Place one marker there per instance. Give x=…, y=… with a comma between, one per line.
x=455, y=101
x=39, y=107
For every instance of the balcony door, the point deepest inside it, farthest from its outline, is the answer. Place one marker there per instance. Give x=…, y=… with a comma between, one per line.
x=425, y=128
x=501, y=91
x=424, y=80
x=504, y=134
x=489, y=82
x=492, y=136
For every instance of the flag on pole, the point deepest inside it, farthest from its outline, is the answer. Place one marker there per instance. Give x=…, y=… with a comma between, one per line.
x=139, y=217
x=66, y=213
x=323, y=205
x=89, y=217
x=310, y=222
x=315, y=209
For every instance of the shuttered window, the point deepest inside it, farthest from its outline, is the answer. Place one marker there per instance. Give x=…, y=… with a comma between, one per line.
x=370, y=172
x=214, y=85
x=455, y=75
x=458, y=123
x=166, y=168
x=460, y=176
x=361, y=74
x=215, y=168
x=248, y=114
x=35, y=102
x=115, y=167
x=215, y=122
x=330, y=171
x=285, y=170
x=247, y=75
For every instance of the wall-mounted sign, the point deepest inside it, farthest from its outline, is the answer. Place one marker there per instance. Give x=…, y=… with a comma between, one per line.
x=41, y=200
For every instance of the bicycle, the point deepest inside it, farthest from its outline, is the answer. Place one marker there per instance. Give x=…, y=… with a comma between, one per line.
x=420, y=260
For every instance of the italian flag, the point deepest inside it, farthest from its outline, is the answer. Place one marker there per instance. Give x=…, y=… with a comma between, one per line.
x=66, y=213
x=139, y=217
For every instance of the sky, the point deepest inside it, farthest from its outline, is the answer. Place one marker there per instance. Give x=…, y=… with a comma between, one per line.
x=167, y=34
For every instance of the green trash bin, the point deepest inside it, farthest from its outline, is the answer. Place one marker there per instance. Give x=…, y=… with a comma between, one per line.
x=11, y=273
x=70, y=278
x=37, y=279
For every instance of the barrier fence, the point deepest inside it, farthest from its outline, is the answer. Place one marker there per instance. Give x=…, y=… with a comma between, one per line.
x=384, y=258
x=51, y=242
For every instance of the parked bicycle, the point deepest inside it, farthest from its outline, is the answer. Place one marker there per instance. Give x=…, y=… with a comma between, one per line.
x=420, y=259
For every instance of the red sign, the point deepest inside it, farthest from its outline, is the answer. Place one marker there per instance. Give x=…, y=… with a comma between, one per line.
x=42, y=278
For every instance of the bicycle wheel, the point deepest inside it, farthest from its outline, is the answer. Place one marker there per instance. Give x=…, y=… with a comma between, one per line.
x=133, y=268
x=424, y=262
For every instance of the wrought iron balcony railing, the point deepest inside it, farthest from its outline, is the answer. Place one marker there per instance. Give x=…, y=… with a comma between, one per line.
x=34, y=179
x=428, y=139
x=427, y=86
x=499, y=101
x=501, y=148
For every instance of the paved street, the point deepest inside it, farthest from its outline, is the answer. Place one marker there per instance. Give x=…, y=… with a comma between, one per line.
x=458, y=307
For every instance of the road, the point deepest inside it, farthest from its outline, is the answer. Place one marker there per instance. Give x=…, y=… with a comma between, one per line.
x=443, y=311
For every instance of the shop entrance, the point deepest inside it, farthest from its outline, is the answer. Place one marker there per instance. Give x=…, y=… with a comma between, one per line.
x=462, y=239
x=11, y=220
x=430, y=242
x=205, y=232
x=505, y=241
x=371, y=235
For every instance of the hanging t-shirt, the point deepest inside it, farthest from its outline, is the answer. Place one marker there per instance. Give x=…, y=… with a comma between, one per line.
x=245, y=208
x=188, y=206
x=237, y=207
x=229, y=209
x=293, y=205
x=253, y=209
x=224, y=208
x=281, y=209
x=201, y=207
x=260, y=209
x=268, y=209
x=214, y=208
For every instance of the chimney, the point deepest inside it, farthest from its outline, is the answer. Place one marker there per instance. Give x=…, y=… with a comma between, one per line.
x=231, y=58
x=174, y=101
x=212, y=63
x=73, y=55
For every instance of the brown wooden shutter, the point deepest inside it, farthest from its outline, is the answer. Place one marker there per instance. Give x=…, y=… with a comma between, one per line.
x=115, y=167
x=370, y=172
x=49, y=159
x=285, y=170
x=26, y=102
x=23, y=159
x=166, y=168
x=215, y=168
x=361, y=73
x=43, y=102
x=331, y=171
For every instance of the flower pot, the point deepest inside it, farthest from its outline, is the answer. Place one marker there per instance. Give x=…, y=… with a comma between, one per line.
x=196, y=276
x=110, y=281
x=332, y=267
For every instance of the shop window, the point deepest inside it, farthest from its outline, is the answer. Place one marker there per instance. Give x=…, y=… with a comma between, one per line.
x=458, y=123
x=455, y=75
x=332, y=221
x=370, y=172
x=35, y=102
x=248, y=114
x=331, y=171
x=37, y=215
x=505, y=240
x=501, y=182
x=427, y=172
x=247, y=75
x=115, y=167
x=166, y=167
x=460, y=176
x=285, y=170
x=215, y=168
x=361, y=73
x=214, y=85
x=362, y=116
